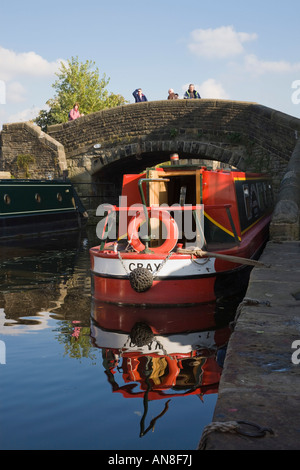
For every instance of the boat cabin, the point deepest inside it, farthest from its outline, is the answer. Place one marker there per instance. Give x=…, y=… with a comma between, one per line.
x=225, y=204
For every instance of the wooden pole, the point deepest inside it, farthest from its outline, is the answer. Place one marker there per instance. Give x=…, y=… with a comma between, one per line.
x=232, y=259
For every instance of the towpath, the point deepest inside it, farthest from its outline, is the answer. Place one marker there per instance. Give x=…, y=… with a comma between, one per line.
x=260, y=382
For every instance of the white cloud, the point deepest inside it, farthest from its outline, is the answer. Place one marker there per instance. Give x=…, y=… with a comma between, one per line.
x=15, y=92
x=2, y=115
x=209, y=89
x=212, y=89
x=2, y=92
x=13, y=64
x=24, y=115
x=22, y=74
x=218, y=43
x=259, y=67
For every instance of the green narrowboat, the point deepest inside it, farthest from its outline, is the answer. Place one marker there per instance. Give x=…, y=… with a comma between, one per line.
x=34, y=207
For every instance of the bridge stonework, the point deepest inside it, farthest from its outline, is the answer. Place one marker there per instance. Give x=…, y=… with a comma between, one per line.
x=99, y=148
x=246, y=135
x=26, y=151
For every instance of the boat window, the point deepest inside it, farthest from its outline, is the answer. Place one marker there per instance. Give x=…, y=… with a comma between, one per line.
x=265, y=194
x=7, y=199
x=182, y=196
x=38, y=197
x=254, y=201
x=247, y=201
x=269, y=195
x=59, y=197
x=261, y=199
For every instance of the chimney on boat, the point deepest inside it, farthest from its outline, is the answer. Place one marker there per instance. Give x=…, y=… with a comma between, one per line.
x=174, y=159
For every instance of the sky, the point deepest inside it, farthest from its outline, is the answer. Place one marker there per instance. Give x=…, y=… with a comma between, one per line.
x=230, y=49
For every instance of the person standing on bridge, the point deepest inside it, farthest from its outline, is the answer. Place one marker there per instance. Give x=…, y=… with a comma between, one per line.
x=74, y=113
x=172, y=95
x=191, y=93
x=139, y=96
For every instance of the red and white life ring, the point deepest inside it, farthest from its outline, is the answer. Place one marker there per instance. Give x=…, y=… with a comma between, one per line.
x=171, y=232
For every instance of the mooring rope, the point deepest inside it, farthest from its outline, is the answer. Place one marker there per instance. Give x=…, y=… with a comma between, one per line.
x=232, y=259
x=232, y=427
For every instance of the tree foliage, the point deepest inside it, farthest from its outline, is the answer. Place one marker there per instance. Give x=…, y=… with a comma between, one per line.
x=77, y=82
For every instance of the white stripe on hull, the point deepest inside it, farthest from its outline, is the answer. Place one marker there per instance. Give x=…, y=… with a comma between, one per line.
x=172, y=268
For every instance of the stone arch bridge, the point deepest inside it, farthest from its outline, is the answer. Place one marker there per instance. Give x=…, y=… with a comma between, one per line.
x=99, y=148
x=106, y=144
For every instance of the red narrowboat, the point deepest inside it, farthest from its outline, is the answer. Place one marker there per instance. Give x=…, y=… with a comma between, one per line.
x=179, y=233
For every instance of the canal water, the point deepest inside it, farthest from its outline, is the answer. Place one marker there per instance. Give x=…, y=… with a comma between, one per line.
x=76, y=374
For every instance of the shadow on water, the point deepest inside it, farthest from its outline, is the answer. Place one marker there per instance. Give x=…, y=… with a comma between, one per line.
x=146, y=354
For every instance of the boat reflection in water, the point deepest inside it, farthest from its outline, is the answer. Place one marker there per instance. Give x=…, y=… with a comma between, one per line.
x=161, y=353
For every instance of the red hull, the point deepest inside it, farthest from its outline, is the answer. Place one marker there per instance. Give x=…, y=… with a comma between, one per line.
x=177, y=292
x=166, y=292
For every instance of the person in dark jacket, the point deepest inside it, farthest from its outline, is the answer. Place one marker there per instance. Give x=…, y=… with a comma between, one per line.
x=139, y=96
x=191, y=93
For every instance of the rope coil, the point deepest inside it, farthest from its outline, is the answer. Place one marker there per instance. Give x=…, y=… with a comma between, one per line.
x=232, y=427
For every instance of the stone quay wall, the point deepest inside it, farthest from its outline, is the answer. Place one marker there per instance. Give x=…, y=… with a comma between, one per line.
x=26, y=151
x=285, y=225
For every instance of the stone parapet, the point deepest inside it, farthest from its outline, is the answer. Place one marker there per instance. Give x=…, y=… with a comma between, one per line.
x=285, y=225
x=247, y=135
x=4, y=175
x=102, y=146
x=45, y=156
x=163, y=120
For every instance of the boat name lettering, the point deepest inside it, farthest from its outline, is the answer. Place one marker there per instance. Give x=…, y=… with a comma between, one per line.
x=149, y=266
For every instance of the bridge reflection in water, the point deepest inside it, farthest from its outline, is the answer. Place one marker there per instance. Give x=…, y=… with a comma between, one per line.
x=161, y=354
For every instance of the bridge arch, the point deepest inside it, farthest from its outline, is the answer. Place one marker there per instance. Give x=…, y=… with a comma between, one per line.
x=102, y=146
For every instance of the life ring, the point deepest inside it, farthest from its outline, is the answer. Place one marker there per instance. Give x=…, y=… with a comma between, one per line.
x=171, y=232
